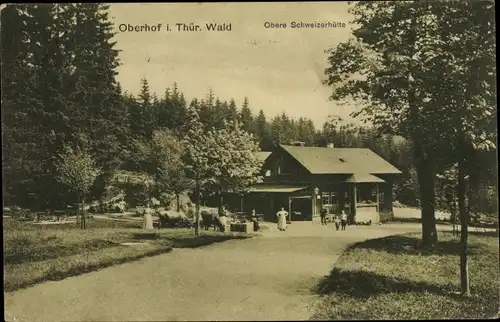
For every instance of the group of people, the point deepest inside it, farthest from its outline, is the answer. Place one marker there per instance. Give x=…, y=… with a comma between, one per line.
x=340, y=221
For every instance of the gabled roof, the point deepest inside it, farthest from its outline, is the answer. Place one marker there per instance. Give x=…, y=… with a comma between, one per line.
x=363, y=178
x=318, y=160
x=263, y=155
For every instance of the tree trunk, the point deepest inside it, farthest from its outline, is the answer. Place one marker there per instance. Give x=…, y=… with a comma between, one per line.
x=178, y=198
x=464, y=222
x=424, y=162
x=426, y=180
x=84, y=217
x=221, y=200
x=197, y=214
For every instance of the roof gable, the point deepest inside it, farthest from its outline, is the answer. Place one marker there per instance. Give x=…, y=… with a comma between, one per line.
x=263, y=155
x=318, y=160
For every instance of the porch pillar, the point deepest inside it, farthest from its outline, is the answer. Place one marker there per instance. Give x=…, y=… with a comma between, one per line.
x=378, y=205
x=315, y=203
x=354, y=202
x=313, y=206
x=388, y=196
x=290, y=208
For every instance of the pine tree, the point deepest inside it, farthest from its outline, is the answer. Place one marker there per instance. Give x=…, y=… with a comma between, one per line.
x=19, y=131
x=233, y=111
x=263, y=131
x=246, y=117
x=142, y=114
x=104, y=113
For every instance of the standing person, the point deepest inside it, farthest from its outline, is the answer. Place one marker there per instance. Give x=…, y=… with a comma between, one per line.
x=148, y=217
x=255, y=221
x=337, y=222
x=222, y=222
x=282, y=214
x=343, y=220
x=322, y=214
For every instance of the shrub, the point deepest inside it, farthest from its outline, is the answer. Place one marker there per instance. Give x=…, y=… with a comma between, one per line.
x=174, y=222
x=386, y=216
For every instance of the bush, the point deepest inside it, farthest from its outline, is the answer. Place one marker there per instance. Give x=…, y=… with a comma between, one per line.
x=386, y=216
x=397, y=204
x=174, y=222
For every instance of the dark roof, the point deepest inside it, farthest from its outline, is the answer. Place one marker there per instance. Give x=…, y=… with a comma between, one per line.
x=263, y=155
x=318, y=160
x=276, y=188
x=363, y=178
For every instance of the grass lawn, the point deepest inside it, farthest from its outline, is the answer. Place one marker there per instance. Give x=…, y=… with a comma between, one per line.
x=38, y=253
x=379, y=279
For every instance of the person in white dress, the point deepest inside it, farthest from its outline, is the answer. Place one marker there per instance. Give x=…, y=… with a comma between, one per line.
x=343, y=220
x=282, y=214
x=148, y=218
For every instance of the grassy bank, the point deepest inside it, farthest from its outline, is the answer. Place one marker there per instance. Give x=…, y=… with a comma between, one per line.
x=38, y=253
x=387, y=278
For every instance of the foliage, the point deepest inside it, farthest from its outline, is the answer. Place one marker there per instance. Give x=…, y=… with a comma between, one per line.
x=56, y=93
x=232, y=158
x=412, y=79
x=77, y=170
x=139, y=193
x=167, y=153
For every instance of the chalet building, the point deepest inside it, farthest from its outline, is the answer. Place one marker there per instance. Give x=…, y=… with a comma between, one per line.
x=303, y=179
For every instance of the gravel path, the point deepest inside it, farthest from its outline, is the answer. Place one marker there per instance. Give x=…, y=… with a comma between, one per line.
x=264, y=278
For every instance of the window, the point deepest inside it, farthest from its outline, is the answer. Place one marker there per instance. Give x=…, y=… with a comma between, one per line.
x=268, y=173
x=325, y=198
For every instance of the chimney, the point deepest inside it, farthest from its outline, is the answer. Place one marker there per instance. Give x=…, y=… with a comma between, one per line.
x=330, y=145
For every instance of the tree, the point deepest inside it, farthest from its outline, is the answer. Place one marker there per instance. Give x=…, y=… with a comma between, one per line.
x=466, y=36
x=233, y=111
x=430, y=76
x=205, y=110
x=196, y=155
x=170, y=175
x=142, y=113
x=388, y=66
x=172, y=109
x=263, y=131
x=246, y=117
x=77, y=170
x=19, y=132
x=64, y=90
x=233, y=159
x=277, y=131
x=306, y=131
x=94, y=60
x=449, y=179
x=221, y=158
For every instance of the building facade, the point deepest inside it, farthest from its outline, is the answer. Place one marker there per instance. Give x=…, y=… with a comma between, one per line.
x=303, y=179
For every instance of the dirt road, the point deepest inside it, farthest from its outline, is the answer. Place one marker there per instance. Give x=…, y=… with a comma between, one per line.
x=265, y=278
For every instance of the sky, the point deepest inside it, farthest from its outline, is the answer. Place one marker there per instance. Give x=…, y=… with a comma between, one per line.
x=278, y=69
